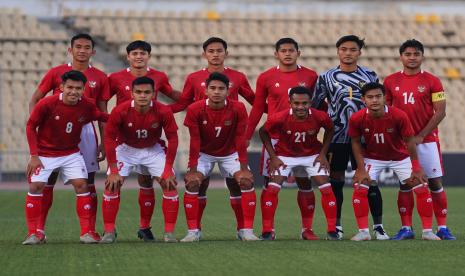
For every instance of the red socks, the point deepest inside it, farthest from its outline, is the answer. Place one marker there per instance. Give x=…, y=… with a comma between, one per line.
x=84, y=212
x=360, y=204
x=328, y=202
x=47, y=201
x=440, y=206
x=236, y=205
x=424, y=205
x=146, y=206
x=33, y=208
x=191, y=207
x=110, y=207
x=248, y=204
x=405, y=204
x=202, y=205
x=170, y=208
x=306, y=202
x=93, y=194
x=269, y=203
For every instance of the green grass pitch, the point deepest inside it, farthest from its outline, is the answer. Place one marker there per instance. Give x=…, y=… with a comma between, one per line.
x=219, y=253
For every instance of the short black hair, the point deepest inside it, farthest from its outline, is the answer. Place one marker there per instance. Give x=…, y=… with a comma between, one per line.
x=371, y=86
x=359, y=41
x=411, y=43
x=300, y=90
x=143, y=80
x=218, y=77
x=74, y=75
x=82, y=36
x=286, y=40
x=214, y=40
x=138, y=44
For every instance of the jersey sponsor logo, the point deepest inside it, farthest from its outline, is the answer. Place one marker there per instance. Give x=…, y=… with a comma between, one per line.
x=438, y=96
x=421, y=88
x=154, y=125
x=227, y=123
x=92, y=84
x=127, y=88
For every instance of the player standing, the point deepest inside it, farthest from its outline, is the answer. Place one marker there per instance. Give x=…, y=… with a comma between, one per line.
x=421, y=95
x=340, y=86
x=132, y=141
x=388, y=143
x=272, y=92
x=96, y=89
x=298, y=150
x=215, y=51
x=217, y=127
x=53, y=133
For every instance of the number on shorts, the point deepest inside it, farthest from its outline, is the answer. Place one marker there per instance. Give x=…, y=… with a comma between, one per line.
x=69, y=127
x=379, y=138
x=218, y=131
x=141, y=133
x=299, y=137
x=408, y=98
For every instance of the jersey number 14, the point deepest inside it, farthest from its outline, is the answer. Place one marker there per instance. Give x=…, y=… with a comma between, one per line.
x=408, y=98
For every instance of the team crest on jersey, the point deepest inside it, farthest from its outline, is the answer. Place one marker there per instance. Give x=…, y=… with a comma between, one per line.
x=129, y=124
x=367, y=130
x=303, y=84
x=127, y=88
x=390, y=130
x=92, y=84
x=276, y=84
x=227, y=123
x=154, y=125
x=81, y=119
x=204, y=122
x=421, y=88
x=361, y=84
x=202, y=84
x=57, y=117
x=311, y=132
x=288, y=132
x=397, y=88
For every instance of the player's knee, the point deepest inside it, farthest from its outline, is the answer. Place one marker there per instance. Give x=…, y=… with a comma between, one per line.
x=304, y=183
x=80, y=185
x=36, y=187
x=145, y=180
x=246, y=184
x=193, y=186
x=435, y=184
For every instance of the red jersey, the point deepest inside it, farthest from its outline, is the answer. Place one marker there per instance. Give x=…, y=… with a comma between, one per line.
x=96, y=88
x=273, y=91
x=217, y=132
x=139, y=130
x=415, y=94
x=54, y=128
x=297, y=138
x=121, y=84
x=383, y=136
x=194, y=88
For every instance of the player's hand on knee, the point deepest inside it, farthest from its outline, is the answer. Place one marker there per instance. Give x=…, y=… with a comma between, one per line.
x=101, y=153
x=361, y=176
x=168, y=180
x=418, y=177
x=324, y=164
x=114, y=182
x=34, y=166
x=275, y=165
x=193, y=178
x=244, y=177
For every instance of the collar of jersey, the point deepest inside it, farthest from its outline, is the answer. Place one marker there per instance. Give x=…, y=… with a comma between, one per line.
x=71, y=65
x=386, y=109
x=61, y=97
x=133, y=105
x=225, y=102
x=129, y=69
x=309, y=111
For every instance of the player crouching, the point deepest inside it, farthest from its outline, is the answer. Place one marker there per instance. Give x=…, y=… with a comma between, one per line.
x=298, y=150
x=388, y=138
x=132, y=143
x=217, y=126
x=53, y=133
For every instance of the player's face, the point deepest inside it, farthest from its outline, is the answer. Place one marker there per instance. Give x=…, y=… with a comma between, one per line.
x=138, y=58
x=300, y=103
x=217, y=91
x=287, y=54
x=374, y=100
x=215, y=53
x=81, y=50
x=142, y=94
x=72, y=91
x=411, y=58
x=348, y=52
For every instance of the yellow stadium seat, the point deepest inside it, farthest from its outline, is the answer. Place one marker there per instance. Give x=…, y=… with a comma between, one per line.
x=434, y=19
x=420, y=18
x=213, y=15
x=138, y=36
x=452, y=73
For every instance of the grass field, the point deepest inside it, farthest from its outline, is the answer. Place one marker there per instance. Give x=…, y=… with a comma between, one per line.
x=219, y=253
